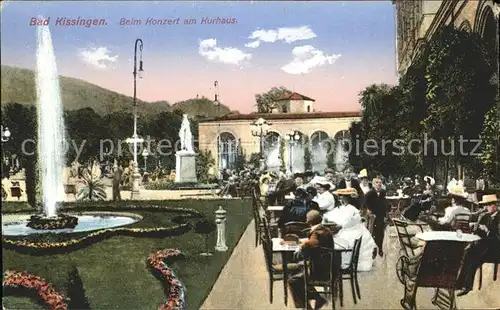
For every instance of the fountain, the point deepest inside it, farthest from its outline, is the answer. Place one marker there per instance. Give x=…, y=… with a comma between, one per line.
x=51, y=139
x=185, y=158
x=273, y=157
x=51, y=136
x=319, y=155
x=341, y=157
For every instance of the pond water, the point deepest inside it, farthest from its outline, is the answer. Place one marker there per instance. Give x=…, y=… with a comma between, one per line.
x=15, y=225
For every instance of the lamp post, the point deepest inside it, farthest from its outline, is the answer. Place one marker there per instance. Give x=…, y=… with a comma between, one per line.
x=145, y=154
x=5, y=134
x=260, y=129
x=217, y=104
x=136, y=175
x=292, y=137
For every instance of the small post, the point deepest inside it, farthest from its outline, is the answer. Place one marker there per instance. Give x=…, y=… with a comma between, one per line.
x=220, y=220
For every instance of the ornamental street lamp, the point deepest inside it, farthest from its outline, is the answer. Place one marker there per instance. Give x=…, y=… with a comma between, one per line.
x=292, y=137
x=145, y=154
x=135, y=139
x=219, y=151
x=260, y=129
x=5, y=134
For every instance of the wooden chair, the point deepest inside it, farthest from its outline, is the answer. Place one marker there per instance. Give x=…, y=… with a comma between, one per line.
x=298, y=228
x=16, y=191
x=274, y=270
x=408, y=245
x=461, y=221
x=437, y=268
x=351, y=273
x=329, y=281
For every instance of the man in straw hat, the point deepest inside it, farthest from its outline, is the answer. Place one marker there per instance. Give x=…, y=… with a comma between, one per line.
x=488, y=228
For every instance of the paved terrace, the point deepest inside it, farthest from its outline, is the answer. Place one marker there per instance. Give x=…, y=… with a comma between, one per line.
x=243, y=284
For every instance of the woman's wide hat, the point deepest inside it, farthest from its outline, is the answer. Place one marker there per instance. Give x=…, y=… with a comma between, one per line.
x=430, y=180
x=347, y=192
x=457, y=189
x=363, y=174
x=489, y=199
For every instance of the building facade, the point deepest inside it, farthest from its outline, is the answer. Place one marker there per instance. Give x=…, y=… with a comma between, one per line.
x=228, y=136
x=418, y=20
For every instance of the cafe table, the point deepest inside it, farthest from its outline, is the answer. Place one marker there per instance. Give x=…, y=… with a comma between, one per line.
x=282, y=247
x=447, y=236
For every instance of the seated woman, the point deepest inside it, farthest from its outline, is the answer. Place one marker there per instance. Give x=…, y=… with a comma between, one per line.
x=347, y=218
x=295, y=210
x=424, y=202
x=458, y=201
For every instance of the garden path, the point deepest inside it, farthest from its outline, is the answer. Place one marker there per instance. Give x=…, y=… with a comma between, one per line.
x=243, y=284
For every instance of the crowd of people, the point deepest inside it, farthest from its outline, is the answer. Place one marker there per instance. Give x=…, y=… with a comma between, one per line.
x=335, y=207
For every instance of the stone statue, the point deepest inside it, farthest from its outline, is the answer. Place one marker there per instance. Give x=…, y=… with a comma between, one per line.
x=185, y=135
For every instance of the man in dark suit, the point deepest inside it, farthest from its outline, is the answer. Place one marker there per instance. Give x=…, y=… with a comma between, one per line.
x=377, y=204
x=488, y=228
x=117, y=178
x=319, y=237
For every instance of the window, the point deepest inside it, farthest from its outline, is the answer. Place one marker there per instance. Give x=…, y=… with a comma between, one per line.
x=308, y=108
x=228, y=150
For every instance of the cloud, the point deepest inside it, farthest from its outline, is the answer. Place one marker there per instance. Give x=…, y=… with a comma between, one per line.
x=306, y=58
x=288, y=35
x=99, y=57
x=228, y=55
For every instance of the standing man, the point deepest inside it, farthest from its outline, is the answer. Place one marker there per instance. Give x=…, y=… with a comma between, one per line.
x=117, y=179
x=377, y=204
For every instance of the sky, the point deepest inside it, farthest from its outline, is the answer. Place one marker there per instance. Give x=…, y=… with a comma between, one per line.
x=328, y=51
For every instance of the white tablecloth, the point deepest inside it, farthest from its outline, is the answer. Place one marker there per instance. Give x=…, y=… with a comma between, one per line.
x=397, y=197
x=275, y=208
x=447, y=236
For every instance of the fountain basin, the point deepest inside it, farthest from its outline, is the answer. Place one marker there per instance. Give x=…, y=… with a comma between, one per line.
x=17, y=224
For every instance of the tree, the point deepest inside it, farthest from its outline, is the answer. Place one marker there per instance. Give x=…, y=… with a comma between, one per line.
x=490, y=140
x=22, y=123
x=330, y=155
x=239, y=163
x=307, y=154
x=203, y=163
x=460, y=90
x=266, y=102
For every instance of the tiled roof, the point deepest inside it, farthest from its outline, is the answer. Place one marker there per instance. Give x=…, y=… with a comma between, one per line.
x=285, y=116
x=293, y=96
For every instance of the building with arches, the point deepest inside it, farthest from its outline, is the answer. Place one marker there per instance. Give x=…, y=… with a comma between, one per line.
x=231, y=134
x=417, y=21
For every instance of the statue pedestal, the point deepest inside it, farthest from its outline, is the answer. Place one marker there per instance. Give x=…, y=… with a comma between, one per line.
x=185, y=167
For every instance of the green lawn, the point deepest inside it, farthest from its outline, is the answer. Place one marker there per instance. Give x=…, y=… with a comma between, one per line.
x=114, y=271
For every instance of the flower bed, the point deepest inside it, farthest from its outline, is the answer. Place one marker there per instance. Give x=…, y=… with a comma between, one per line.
x=15, y=281
x=50, y=248
x=60, y=222
x=174, y=289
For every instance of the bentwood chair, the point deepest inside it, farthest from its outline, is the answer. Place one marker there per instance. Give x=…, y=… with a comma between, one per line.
x=275, y=270
x=437, y=268
x=328, y=278
x=461, y=221
x=351, y=273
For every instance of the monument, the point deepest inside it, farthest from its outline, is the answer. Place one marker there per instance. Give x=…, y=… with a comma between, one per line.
x=185, y=158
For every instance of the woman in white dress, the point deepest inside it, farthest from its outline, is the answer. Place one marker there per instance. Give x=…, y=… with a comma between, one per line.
x=347, y=217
